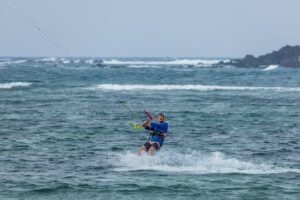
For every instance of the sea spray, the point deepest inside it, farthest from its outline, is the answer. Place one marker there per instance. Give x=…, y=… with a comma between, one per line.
x=193, y=162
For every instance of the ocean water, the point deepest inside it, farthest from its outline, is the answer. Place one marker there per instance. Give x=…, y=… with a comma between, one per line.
x=233, y=133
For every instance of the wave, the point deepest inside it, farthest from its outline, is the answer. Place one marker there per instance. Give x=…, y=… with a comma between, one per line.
x=13, y=85
x=91, y=61
x=130, y=62
x=119, y=87
x=144, y=66
x=201, y=62
x=193, y=162
x=10, y=62
x=271, y=67
x=61, y=60
x=50, y=59
x=66, y=61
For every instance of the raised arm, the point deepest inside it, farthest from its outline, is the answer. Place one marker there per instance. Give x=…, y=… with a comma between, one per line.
x=145, y=124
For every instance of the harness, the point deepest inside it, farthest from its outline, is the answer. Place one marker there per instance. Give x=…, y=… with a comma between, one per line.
x=158, y=133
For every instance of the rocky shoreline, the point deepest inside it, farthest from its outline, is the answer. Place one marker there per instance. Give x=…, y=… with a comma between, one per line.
x=287, y=56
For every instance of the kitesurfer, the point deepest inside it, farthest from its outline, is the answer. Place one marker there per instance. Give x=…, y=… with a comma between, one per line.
x=157, y=135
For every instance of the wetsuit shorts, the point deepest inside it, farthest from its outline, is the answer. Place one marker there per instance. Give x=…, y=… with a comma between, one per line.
x=147, y=145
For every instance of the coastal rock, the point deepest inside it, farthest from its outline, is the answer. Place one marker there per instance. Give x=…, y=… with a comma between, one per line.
x=288, y=56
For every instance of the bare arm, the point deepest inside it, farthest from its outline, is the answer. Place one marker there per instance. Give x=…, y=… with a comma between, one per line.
x=146, y=123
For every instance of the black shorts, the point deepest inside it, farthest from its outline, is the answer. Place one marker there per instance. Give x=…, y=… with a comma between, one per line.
x=147, y=145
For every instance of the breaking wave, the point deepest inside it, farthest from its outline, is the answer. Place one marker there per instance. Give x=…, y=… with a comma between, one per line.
x=193, y=162
x=50, y=59
x=130, y=62
x=201, y=62
x=11, y=62
x=270, y=67
x=119, y=87
x=14, y=85
x=144, y=66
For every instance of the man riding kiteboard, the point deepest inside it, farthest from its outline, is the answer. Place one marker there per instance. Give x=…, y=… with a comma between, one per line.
x=157, y=135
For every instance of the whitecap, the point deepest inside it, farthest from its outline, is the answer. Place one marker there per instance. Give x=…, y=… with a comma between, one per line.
x=270, y=67
x=50, y=59
x=199, y=62
x=144, y=66
x=13, y=85
x=65, y=61
x=91, y=61
x=9, y=62
x=125, y=87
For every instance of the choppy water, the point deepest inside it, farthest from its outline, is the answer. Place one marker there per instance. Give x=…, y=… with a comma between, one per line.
x=234, y=133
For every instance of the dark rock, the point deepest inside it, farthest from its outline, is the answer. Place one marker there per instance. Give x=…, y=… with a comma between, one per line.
x=99, y=63
x=288, y=56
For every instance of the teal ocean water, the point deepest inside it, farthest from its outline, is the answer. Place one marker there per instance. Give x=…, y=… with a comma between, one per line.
x=233, y=133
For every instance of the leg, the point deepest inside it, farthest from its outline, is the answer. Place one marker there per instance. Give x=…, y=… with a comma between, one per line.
x=141, y=150
x=151, y=151
x=144, y=148
x=154, y=146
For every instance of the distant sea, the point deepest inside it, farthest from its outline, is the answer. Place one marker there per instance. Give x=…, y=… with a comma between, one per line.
x=234, y=133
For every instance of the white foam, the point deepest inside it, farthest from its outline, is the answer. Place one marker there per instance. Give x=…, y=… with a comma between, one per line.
x=91, y=61
x=271, y=67
x=9, y=62
x=119, y=87
x=50, y=59
x=169, y=62
x=193, y=162
x=14, y=84
x=144, y=66
x=66, y=61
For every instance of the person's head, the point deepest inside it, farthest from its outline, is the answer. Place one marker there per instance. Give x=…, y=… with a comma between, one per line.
x=160, y=117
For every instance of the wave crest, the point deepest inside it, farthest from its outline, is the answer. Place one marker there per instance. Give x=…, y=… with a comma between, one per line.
x=270, y=67
x=120, y=87
x=11, y=62
x=13, y=85
x=203, y=62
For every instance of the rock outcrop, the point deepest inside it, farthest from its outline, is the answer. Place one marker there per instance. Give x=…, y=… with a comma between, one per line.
x=288, y=56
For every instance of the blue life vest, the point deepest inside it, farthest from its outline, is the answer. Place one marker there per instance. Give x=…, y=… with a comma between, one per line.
x=157, y=129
